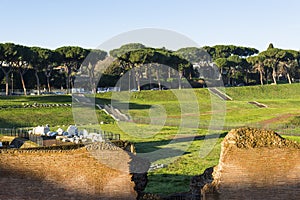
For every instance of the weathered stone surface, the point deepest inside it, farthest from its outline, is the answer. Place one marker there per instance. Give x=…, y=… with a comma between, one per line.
x=198, y=182
x=68, y=174
x=255, y=164
x=140, y=180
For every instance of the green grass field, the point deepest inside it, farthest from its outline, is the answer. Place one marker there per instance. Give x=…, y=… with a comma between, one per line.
x=165, y=112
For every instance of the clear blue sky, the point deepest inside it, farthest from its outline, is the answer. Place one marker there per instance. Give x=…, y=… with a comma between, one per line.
x=88, y=23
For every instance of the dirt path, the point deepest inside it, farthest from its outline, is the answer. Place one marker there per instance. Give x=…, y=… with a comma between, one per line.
x=279, y=118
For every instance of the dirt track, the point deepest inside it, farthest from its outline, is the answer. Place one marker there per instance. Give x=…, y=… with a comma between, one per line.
x=279, y=118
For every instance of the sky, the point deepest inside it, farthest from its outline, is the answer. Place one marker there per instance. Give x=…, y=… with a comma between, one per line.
x=89, y=23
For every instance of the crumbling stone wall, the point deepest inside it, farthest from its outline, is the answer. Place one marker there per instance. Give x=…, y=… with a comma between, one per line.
x=66, y=174
x=254, y=164
x=124, y=161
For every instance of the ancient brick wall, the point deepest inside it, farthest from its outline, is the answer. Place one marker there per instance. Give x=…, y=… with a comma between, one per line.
x=63, y=174
x=255, y=164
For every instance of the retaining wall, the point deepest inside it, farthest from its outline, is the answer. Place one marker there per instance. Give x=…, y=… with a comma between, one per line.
x=254, y=164
x=65, y=174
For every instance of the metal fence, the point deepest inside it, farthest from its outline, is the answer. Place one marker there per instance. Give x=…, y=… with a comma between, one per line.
x=16, y=132
x=104, y=134
x=48, y=141
x=36, y=139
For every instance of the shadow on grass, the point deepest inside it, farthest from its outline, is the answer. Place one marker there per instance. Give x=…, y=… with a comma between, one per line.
x=11, y=124
x=165, y=185
x=122, y=105
x=146, y=147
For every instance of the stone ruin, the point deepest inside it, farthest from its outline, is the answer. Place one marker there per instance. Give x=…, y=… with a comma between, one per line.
x=254, y=164
x=72, y=134
x=99, y=170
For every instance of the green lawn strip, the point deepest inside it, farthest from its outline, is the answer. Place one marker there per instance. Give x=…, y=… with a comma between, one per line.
x=176, y=177
x=19, y=100
x=249, y=93
x=30, y=117
x=293, y=138
x=240, y=113
x=34, y=117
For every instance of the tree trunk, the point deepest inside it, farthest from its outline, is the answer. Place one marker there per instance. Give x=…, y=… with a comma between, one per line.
x=274, y=76
x=149, y=75
x=23, y=83
x=129, y=80
x=72, y=82
x=228, y=80
x=157, y=77
x=286, y=69
x=146, y=72
x=289, y=78
x=261, y=77
x=138, y=81
x=228, y=75
x=6, y=84
x=48, y=83
x=93, y=85
x=91, y=74
x=169, y=72
x=6, y=80
x=137, y=77
x=68, y=81
x=179, y=79
x=91, y=80
x=48, y=75
x=37, y=82
x=247, y=78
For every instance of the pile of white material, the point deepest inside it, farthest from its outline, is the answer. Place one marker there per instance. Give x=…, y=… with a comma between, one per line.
x=71, y=135
x=40, y=130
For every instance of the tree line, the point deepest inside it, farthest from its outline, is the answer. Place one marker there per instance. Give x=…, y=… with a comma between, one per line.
x=60, y=67
x=53, y=65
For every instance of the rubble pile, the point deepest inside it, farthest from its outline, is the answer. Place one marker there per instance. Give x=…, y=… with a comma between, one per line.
x=72, y=134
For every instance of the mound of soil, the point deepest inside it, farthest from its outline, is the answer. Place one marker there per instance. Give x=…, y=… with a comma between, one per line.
x=254, y=138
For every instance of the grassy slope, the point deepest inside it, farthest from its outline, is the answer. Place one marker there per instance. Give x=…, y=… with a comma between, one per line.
x=19, y=100
x=281, y=100
x=283, y=103
x=54, y=116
